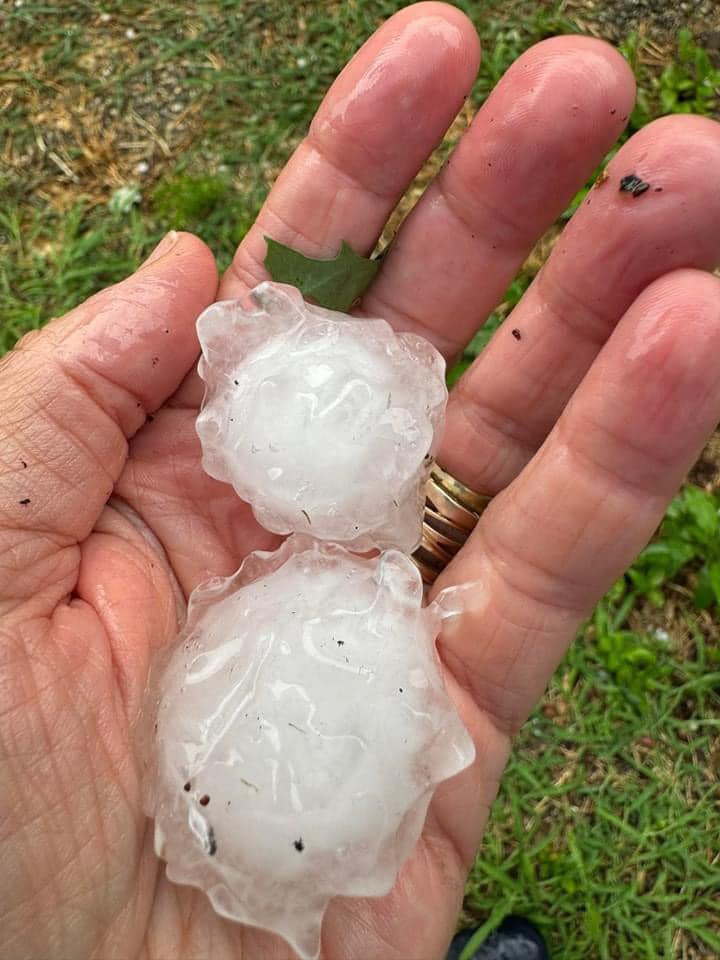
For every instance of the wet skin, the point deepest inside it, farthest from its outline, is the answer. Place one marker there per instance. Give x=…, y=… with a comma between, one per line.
x=584, y=426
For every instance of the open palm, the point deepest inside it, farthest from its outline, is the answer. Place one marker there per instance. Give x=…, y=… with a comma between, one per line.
x=582, y=415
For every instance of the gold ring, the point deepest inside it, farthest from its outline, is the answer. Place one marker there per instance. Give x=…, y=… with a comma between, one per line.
x=451, y=512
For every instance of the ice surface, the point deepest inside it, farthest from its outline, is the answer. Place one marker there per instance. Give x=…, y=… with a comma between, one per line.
x=323, y=422
x=296, y=733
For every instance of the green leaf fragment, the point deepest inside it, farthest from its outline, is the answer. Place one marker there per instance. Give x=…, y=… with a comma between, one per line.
x=335, y=283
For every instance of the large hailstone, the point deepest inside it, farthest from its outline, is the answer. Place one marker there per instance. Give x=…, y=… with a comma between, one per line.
x=323, y=422
x=301, y=725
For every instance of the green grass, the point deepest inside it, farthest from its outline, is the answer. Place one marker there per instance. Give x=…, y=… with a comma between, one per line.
x=605, y=831
x=606, y=827
x=65, y=63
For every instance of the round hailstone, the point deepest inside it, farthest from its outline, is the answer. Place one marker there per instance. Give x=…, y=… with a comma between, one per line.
x=323, y=422
x=296, y=734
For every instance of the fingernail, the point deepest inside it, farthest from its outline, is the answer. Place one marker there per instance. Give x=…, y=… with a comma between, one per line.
x=165, y=246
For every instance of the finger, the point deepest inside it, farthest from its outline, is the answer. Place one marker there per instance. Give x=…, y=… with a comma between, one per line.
x=506, y=404
x=538, y=137
x=72, y=394
x=552, y=543
x=381, y=118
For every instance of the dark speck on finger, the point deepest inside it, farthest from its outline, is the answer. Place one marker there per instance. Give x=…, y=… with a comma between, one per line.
x=631, y=183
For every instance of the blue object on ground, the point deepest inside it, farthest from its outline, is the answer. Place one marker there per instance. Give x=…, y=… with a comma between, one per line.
x=515, y=939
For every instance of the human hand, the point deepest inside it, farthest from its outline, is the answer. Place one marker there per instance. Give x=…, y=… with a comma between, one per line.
x=584, y=428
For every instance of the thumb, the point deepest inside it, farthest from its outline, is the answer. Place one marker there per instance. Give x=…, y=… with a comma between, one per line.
x=72, y=394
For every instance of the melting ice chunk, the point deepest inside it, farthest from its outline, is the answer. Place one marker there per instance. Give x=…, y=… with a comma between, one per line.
x=296, y=734
x=323, y=422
